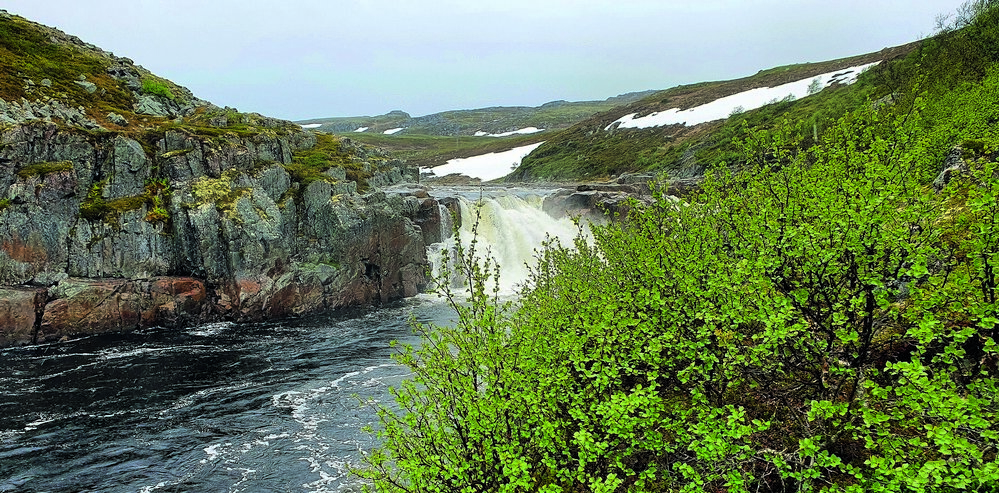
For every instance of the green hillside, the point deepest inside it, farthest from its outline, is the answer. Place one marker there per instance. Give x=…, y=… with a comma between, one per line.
x=50, y=75
x=589, y=151
x=433, y=150
x=556, y=115
x=825, y=318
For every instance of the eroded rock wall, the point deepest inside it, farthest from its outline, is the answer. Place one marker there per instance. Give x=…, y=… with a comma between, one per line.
x=107, y=231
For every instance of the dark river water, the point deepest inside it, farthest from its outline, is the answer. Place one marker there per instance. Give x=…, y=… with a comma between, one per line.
x=217, y=408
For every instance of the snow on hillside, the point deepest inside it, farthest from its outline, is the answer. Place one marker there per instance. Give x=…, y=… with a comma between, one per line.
x=362, y=129
x=393, y=131
x=523, y=131
x=312, y=125
x=487, y=166
x=749, y=100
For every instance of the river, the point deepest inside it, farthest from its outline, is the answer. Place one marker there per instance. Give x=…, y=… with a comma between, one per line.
x=277, y=407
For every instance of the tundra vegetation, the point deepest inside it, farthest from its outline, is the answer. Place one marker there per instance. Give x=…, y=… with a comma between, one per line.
x=822, y=317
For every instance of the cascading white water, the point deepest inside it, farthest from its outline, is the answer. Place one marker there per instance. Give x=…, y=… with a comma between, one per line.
x=509, y=226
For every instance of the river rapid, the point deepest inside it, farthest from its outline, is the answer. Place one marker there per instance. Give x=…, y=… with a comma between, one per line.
x=275, y=407
x=222, y=407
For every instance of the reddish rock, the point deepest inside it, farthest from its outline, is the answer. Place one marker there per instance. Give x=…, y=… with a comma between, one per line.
x=283, y=302
x=95, y=306
x=31, y=251
x=83, y=307
x=174, y=301
x=19, y=308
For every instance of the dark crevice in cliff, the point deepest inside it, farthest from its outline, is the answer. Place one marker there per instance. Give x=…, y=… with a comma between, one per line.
x=41, y=300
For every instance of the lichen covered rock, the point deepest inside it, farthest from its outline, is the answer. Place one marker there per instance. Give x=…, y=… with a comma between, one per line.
x=105, y=226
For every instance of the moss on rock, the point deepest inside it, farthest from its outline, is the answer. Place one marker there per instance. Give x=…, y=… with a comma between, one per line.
x=42, y=169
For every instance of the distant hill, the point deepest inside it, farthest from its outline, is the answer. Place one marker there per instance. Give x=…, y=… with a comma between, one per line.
x=679, y=131
x=555, y=115
x=650, y=134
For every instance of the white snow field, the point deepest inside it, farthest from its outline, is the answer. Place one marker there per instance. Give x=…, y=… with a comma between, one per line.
x=393, y=131
x=312, y=125
x=486, y=166
x=362, y=129
x=722, y=108
x=523, y=131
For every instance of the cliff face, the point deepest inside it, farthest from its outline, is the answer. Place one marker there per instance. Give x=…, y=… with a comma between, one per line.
x=99, y=235
x=125, y=202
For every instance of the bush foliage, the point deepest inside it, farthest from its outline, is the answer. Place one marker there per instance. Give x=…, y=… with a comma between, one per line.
x=824, y=319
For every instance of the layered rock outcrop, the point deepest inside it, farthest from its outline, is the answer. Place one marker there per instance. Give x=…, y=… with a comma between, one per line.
x=127, y=202
x=108, y=231
x=602, y=201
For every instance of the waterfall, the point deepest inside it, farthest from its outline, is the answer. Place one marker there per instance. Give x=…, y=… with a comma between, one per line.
x=511, y=227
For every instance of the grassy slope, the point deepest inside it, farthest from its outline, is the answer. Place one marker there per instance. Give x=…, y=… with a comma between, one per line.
x=27, y=52
x=433, y=150
x=499, y=119
x=434, y=139
x=588, y=151
x=32, y=52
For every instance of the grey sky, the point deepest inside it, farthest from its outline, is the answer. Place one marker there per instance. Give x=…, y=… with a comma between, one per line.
x=301, y=59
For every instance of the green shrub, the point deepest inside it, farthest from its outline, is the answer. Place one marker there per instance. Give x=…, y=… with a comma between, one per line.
x=155, y=87
x=821, y=321
x=95, y=207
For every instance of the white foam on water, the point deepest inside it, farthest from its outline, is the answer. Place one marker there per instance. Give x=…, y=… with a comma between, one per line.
x=43, y=419
x=213, y=452
x=190, y=399
x=209, y=330
x=10, y=435
x=247, y=476
x=310, y=408
x=160, y=485
x=117, y=353
x=511, y=228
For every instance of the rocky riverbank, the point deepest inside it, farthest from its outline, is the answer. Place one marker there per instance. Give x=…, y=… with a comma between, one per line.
x=102, y=231
x=613, y=199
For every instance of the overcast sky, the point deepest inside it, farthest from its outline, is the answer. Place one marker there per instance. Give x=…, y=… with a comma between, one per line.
x=299, y=59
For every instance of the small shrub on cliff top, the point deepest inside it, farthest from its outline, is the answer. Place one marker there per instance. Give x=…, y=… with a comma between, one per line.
x=153, y=86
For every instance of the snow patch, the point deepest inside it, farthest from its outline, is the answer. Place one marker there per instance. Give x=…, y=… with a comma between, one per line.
x=523, y=131
x=312, y=125
x=752, y=99
x=393, y=131
x=487, y=166
x=362, y=129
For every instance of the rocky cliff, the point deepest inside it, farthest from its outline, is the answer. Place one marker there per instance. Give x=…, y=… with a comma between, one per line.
x=126, y=202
